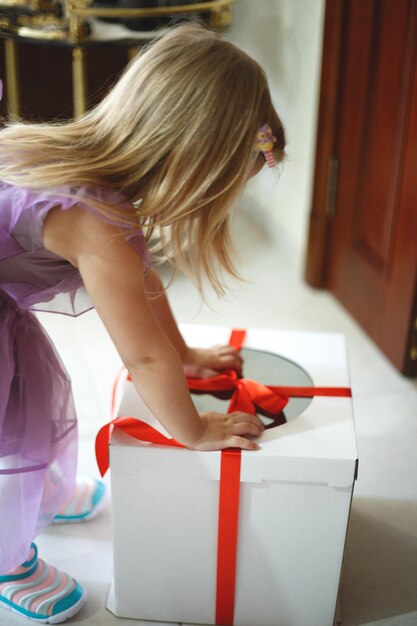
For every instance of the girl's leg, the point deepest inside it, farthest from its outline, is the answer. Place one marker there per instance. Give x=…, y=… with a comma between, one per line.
x=38, y=454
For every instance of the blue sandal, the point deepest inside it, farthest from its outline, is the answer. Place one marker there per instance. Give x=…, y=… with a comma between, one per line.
x=85, y=503
x=40, y=592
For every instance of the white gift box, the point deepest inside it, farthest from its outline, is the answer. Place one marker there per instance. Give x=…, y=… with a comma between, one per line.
x=295, y=498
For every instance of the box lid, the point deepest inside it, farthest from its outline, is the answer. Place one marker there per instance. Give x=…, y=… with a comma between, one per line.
x=318, y=446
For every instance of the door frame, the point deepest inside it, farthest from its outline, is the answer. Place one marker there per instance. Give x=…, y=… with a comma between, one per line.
x=323, y=197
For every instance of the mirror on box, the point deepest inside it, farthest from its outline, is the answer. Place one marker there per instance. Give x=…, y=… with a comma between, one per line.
x=268, y=369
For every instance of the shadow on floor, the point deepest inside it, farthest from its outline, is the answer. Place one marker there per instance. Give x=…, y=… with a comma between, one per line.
x=380, y=573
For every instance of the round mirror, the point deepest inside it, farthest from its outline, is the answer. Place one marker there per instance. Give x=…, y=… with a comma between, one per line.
x=269, y=369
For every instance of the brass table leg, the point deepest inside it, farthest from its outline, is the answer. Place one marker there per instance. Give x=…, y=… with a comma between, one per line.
x=12, y=83
x=79, y=81
x=132, y=52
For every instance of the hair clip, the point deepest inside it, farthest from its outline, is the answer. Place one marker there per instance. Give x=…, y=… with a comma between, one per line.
x=1, y=89
x=265, y=141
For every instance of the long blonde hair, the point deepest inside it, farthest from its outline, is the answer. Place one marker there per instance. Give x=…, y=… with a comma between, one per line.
x=175, y=136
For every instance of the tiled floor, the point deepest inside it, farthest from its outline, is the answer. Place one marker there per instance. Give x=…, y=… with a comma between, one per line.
x=380, y=576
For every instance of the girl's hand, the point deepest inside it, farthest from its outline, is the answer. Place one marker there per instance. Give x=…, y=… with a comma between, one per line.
x=206, y=362
x=228, y=431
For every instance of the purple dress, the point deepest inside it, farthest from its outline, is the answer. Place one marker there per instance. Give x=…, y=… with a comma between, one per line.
x=38, y=425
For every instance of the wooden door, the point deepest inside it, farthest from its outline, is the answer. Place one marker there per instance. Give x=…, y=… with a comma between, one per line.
x=363, y=227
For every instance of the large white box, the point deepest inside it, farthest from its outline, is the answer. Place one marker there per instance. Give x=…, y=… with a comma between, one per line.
x=295, y=499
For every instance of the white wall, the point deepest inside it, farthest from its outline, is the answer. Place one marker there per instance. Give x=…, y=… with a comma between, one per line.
x=285, y=37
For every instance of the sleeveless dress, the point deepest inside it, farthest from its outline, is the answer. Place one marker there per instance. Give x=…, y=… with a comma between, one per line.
x=38, y=425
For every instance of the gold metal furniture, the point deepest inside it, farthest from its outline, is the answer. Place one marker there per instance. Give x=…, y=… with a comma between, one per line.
x=76, y=24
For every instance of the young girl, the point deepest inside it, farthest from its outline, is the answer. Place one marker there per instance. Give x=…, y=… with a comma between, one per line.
x=167, y=152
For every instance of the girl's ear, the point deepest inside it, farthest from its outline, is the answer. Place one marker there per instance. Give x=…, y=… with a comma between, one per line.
x=258, y=165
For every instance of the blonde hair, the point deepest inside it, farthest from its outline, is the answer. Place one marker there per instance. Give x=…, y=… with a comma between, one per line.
x=175, y=136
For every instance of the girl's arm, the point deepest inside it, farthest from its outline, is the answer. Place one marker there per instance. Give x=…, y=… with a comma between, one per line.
x=216, y=358
x=113, y=275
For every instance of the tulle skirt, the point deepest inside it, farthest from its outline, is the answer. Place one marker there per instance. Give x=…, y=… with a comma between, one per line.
x=38, y=433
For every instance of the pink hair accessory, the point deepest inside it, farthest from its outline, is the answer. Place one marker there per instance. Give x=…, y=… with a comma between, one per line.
x=265, y=141
x=1, y=89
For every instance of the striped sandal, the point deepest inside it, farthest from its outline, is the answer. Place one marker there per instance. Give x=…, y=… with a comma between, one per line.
x=41, y=592
x=85, y=503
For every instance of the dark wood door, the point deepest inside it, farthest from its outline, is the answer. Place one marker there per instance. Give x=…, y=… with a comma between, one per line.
x=364, y=215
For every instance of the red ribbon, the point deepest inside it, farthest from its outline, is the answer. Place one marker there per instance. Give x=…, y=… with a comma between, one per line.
x=246, y=396
x=133, y=427
x=229, y=495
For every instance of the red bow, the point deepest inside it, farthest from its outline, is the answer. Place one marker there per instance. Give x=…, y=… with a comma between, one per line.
x=246, y=394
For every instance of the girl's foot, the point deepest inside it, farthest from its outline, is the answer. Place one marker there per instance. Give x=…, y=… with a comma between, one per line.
x=86, y=501
x=40, y=592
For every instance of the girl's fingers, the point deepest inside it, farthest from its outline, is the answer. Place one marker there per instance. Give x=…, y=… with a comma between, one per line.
x=231, y=358
x=238, y=416
x=229, y=431
x=196, y=371
x=245, y=428
x=246, y=424
x=226, y=359
x=226, y=346
x=218, y=358
x=241, y=442
x=228, y=352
